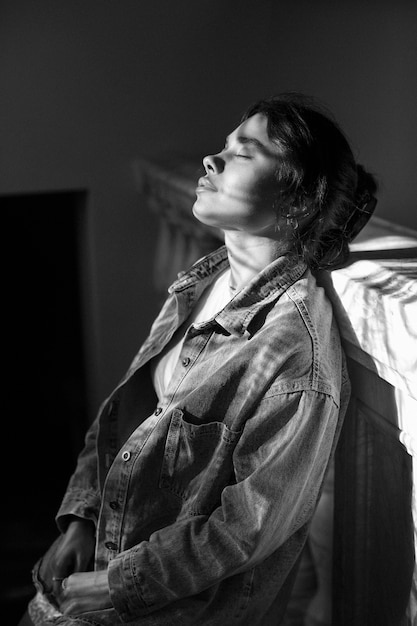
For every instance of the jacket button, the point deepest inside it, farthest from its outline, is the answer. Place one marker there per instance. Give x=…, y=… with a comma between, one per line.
x=114, y=505
x=110, y=545
x=186, y=361
x=126, y=455
x=158, y=411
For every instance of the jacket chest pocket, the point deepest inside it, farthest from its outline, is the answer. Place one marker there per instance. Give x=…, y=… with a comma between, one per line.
x=197, y=463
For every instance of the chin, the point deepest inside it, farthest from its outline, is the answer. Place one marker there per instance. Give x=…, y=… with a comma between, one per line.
x=195, y=212
x=199, y=214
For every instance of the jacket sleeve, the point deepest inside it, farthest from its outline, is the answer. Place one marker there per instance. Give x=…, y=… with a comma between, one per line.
x=82, y=497
x=280, y=463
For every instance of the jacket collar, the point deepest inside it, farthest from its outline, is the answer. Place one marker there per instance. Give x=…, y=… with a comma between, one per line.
x=263, y=289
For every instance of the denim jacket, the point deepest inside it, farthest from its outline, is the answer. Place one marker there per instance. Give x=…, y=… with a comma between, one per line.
x=202, y=501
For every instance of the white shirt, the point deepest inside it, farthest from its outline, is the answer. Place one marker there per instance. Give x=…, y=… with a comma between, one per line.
x=213, y=300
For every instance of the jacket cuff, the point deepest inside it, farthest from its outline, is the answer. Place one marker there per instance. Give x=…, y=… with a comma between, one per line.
x=127, y=588
x=82, y=503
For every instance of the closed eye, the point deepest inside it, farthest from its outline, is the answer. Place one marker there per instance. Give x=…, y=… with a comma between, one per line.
x=238, y=155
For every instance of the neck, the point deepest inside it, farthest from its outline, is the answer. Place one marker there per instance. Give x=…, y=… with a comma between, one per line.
x=249, y=255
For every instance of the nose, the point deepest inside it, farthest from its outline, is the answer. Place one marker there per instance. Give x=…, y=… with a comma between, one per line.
x=213, y=164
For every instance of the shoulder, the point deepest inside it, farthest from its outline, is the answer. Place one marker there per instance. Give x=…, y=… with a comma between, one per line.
x=304, y=331
x=302, y=309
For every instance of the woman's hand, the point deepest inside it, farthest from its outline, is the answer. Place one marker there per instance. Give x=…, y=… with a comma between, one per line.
x=87, y=591
x=73, y=554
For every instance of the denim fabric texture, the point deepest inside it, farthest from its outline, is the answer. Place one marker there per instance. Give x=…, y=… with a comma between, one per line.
x=202, y=500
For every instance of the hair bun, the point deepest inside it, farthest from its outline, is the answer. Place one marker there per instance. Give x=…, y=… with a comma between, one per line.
x=364, y=203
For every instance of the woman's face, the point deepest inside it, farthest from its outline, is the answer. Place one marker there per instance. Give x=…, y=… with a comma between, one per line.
x=240, y=185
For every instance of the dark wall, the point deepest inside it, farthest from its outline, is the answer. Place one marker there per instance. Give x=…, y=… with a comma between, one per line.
x=87, y=87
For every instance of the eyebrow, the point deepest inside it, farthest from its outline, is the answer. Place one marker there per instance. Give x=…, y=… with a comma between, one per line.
x=252, y=141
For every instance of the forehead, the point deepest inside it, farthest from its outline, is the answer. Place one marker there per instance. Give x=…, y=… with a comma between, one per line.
x=256, y=124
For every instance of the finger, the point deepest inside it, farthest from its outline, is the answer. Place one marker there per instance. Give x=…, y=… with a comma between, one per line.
x=45, y=574
x=58, y=585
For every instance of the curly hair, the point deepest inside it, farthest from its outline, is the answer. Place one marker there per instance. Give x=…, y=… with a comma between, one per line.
x=317, y=173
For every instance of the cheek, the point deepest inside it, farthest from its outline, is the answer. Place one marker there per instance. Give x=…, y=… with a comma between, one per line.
x=247, y=190
x=256, y=195
x=266, y=189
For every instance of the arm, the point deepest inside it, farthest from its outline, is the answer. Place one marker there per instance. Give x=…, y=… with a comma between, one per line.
x=73, y=550
x=279, y=463
x=82, y=497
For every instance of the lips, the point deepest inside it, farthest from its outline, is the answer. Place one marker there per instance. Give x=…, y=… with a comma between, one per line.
x=204, y=184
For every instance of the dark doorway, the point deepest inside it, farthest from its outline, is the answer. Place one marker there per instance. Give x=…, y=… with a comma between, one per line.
x=44, y=391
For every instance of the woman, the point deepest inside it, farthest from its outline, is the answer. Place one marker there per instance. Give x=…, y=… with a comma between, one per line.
x=192, y=498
